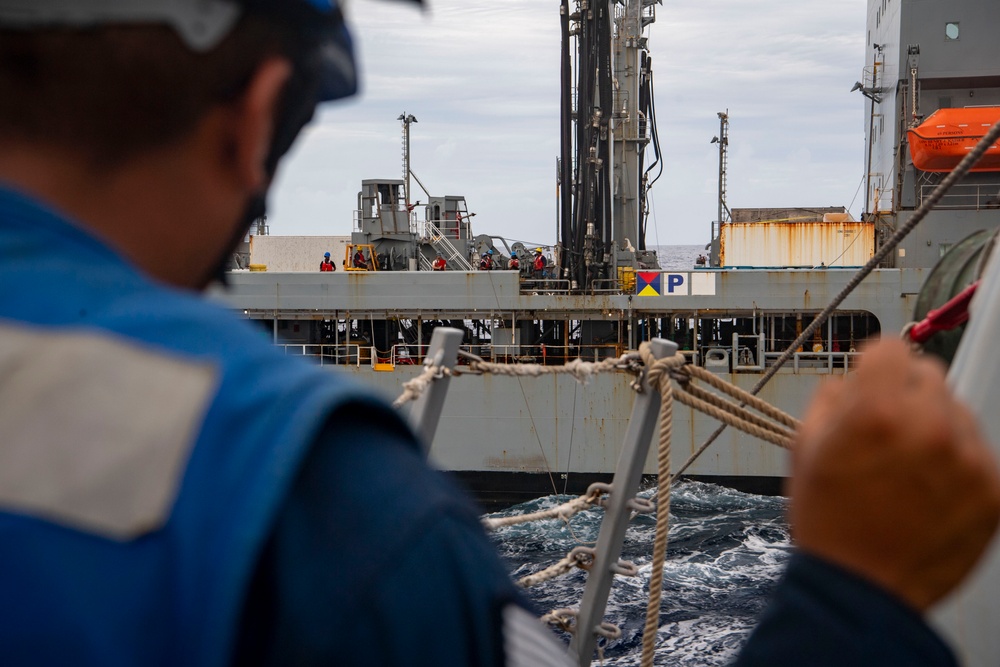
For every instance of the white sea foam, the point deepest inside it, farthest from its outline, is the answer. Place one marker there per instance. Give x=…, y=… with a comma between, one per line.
x=726, y=551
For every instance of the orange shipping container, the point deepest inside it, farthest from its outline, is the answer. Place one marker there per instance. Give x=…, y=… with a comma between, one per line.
x=796, y=244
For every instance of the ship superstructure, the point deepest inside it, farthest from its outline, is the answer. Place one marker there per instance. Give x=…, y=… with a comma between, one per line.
x=923, y=57
x=770, y=271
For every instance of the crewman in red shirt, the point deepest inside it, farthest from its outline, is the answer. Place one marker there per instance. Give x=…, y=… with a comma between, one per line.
x=327, y=264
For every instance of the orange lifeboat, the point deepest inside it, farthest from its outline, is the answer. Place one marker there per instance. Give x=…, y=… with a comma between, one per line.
x=947, y=136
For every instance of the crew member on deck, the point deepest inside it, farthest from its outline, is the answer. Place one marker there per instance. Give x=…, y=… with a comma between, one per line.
x=359, y=260
x=539, y=264
x=327, y=263
x=514, y=264
x=439, y=264
x=486, y=263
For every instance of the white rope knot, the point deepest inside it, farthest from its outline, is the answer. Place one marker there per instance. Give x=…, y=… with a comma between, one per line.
x=566, y=511
x=412, y=389
x=564, y=619
x=581, y=557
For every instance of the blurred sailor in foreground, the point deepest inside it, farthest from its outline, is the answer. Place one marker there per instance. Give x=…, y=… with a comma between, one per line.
x=174, y=490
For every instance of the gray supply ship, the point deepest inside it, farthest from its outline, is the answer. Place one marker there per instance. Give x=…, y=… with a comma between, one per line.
x=599, y=291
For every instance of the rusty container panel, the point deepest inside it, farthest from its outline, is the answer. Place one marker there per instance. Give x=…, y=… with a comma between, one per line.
x=796, y=244
x=296, y=253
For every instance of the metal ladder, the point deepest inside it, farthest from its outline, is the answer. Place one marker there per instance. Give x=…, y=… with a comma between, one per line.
x=451, y=254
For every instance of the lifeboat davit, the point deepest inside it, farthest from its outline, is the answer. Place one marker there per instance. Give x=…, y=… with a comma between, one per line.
x=947, y=136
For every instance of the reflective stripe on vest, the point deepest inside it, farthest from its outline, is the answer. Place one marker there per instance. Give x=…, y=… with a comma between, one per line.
x=96, y=431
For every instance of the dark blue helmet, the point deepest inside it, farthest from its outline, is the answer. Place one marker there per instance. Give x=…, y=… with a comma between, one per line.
x=202, y=24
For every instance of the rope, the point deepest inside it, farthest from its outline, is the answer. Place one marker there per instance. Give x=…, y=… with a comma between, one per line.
x=565, y=511
x=958, y=173
x=412, y=389
x=564, y=619
x=658, y=375
x=581, y=557
x=774, y=435
x=581, y=370
x=748, y=399
x=722, y=404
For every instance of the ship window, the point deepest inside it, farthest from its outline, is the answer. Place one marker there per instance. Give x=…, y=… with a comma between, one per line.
x=951, y=31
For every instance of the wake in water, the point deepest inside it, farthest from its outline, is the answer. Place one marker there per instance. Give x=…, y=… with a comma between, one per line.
x=726, y=552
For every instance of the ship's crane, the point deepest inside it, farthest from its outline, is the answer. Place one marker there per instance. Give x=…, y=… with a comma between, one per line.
x=607, y=120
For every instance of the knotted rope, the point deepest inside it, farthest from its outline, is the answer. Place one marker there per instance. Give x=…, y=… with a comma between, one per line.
x=566, y=511
x=658, y=376
x=581, y=370
x=581, y=557
x=412, y=389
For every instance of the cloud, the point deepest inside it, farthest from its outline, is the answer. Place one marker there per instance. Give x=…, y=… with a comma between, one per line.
x=483, y=80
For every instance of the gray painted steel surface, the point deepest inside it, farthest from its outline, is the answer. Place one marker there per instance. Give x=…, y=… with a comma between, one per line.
x=887, y=293
x=551, y=423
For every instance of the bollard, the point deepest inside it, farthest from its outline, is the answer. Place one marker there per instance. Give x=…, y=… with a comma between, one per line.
x=426, y=411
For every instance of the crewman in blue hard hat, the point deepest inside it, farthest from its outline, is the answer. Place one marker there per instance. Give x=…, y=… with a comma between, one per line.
x=327, y=264
x=486, y=261
x=173, y=489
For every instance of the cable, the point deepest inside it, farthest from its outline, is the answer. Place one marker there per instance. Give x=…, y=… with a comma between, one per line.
x=958, y=173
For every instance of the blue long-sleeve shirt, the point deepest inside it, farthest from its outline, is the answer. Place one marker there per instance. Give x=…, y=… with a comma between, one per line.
x=822, y=615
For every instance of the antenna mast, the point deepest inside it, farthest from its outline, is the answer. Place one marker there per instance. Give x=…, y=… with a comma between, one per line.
x=406, y=119
x=723, y=141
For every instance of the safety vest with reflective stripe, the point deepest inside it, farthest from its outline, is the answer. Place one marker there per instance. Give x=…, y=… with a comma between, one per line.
x=147, y=440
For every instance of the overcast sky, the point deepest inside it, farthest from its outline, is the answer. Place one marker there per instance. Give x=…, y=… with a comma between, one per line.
x=482, y=80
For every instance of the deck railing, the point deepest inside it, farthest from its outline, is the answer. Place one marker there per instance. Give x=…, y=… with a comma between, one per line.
x=970, y=196
x=740, y=358
x=343, y=354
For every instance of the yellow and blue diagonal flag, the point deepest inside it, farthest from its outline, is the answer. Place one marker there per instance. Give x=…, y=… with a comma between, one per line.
x=647, y=283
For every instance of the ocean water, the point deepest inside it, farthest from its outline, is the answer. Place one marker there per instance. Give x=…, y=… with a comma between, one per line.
x=678, y=257
x=726, y=551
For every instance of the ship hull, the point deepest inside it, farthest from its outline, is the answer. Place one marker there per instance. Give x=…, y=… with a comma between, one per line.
x=511, y=438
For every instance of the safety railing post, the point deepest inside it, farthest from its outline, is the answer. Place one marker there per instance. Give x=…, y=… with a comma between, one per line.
x=426, y=411
x=628, y=474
